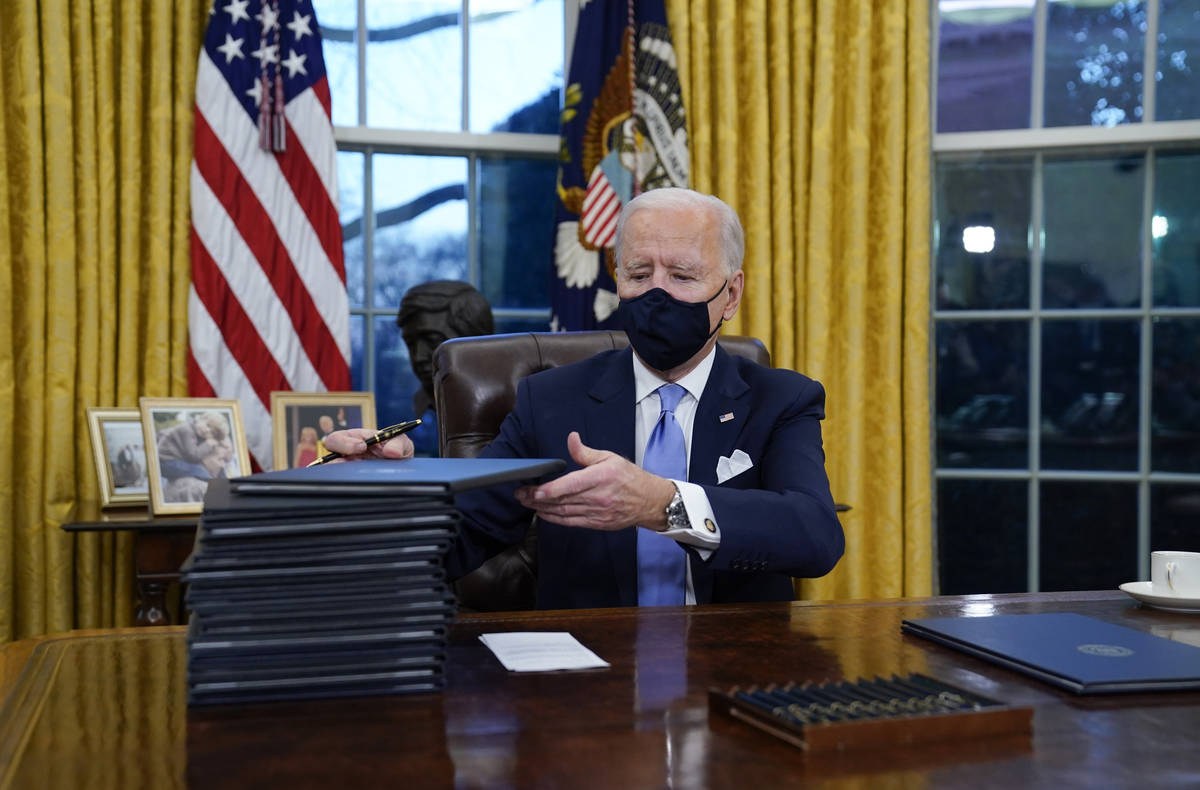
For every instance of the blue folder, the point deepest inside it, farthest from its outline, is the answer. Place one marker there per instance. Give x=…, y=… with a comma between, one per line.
x=1072, y=651
x=411, y=476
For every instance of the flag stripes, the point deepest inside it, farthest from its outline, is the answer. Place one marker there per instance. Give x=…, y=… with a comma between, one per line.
x=268, y=308
x=240, y=222
x=600, y=210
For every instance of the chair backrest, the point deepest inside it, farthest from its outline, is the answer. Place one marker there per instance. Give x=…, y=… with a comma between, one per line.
x=475, y=378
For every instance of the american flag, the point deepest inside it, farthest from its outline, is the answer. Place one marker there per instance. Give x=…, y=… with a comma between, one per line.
x=267, y=308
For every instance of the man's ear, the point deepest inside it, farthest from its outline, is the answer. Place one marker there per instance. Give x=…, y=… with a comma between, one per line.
x=736, y=282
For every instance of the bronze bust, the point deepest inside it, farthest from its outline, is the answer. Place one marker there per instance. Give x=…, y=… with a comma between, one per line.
x=429, y=314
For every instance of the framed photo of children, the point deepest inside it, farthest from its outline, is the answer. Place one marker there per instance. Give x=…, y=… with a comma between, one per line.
x=190, y=442
x=300, y=421
x=120, y=454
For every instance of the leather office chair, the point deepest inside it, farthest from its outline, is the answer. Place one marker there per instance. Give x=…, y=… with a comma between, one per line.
x=475, y=386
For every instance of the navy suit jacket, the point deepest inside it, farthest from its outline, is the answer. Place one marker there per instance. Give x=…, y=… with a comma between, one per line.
x=777, y=519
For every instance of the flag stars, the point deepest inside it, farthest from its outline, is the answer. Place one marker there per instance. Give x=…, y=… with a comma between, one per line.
x=295, y=63
x=236, y=10
x=232, y=48
x=269, y=17
x=266, y=54
x=300, y=25
x=255, y=92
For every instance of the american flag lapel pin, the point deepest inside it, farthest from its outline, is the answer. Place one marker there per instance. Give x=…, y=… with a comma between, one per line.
x=726, y=417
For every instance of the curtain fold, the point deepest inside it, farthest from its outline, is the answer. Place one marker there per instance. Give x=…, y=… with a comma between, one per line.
x=95, y=150
x=812, y=120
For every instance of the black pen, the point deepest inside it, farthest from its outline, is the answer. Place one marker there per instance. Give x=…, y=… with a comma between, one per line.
x=390, y=432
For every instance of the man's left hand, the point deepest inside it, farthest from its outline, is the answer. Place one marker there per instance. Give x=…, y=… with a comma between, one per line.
x=609, y=492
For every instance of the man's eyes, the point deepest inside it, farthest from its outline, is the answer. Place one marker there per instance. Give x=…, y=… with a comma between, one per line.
x=680, y=276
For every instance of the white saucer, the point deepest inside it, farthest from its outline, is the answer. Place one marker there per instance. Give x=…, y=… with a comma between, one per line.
x=1172, y=603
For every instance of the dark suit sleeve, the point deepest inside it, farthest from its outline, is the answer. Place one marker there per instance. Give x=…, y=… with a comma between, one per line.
x=783, y=519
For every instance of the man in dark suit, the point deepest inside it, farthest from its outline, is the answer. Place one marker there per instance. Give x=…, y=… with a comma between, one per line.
x=753, y=508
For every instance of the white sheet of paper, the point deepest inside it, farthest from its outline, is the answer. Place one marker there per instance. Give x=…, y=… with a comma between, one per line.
x=540, y=651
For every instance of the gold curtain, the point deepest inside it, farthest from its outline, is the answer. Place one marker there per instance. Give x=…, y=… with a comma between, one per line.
x=95, y=150
x=811, y=118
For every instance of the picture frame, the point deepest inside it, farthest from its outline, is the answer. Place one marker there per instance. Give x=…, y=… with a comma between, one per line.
x=299, y=420
x=119, y=450
x=190, y=441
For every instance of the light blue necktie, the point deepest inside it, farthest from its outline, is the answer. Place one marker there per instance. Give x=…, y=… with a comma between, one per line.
x=662, y=562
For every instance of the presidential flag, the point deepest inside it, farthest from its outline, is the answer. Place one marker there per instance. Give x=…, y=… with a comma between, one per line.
x=267, y=308
x=622, y=132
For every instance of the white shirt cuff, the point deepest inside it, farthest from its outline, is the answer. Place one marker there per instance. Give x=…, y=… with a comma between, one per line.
x=704, y=535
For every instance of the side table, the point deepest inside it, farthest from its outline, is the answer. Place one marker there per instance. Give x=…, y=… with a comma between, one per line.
x=160, y=546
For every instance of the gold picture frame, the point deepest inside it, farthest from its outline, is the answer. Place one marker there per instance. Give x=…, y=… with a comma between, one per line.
x=190, y=441
x=119, y=450
x=297, y=417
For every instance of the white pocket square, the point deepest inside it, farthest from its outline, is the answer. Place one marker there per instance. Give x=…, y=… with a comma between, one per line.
x=732, y=466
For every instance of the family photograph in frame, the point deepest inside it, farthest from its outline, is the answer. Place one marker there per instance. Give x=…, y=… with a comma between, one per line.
x=119, y=450
x=190, y=442
x=300, y=421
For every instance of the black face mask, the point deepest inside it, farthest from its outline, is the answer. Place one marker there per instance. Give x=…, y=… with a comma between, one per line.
x=664, y=331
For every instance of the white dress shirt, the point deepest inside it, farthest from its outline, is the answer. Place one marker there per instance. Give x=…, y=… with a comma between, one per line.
x=695, y=501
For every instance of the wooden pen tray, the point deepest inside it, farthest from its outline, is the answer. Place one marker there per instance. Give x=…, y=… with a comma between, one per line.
x=879, y=713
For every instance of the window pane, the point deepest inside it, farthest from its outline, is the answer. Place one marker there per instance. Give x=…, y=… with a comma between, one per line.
x=1088, y=535
x=985, y=59
x=414, y=65
x=505, y=324
x=1174, y=514
x=983, y=394
x=982, y=536
x=395, y=382
x=1176, y=230
x=1177, y=95
x=350, y=166
x=358, y=354
x=1090, y=394
x=420, y=222
x=339, y=46
x=983, y=211
x=1094, y=55
x=1175, y=414
x=524, y=95
x=516, y=230
x=1093, y=246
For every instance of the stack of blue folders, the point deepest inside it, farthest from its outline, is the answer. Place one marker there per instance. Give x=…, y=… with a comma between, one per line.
x=328, y=581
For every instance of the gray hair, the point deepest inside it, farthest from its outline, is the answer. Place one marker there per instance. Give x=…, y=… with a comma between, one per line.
x=731, y=237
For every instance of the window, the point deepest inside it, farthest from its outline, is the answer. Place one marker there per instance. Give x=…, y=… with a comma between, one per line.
x=1066, y=290
x=446, y=119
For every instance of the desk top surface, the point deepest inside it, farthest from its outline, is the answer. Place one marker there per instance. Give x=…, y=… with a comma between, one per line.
x=107, y=709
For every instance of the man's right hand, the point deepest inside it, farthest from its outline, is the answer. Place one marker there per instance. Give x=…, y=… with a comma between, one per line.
x=352, y=444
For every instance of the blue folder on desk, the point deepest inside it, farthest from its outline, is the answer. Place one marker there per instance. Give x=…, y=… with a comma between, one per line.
x=412, y=476
x=1072, y=651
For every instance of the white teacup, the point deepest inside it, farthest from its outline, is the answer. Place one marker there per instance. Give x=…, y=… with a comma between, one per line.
x=1175, y=573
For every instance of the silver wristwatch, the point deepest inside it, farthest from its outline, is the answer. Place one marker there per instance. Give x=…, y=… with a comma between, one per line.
x=677, y=517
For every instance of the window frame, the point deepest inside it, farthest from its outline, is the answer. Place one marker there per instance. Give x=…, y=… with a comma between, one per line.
x=369, y=141
x=1146, y=136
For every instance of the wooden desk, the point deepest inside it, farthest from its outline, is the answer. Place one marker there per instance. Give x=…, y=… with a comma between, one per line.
x=106, y=709
x=160, y=545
